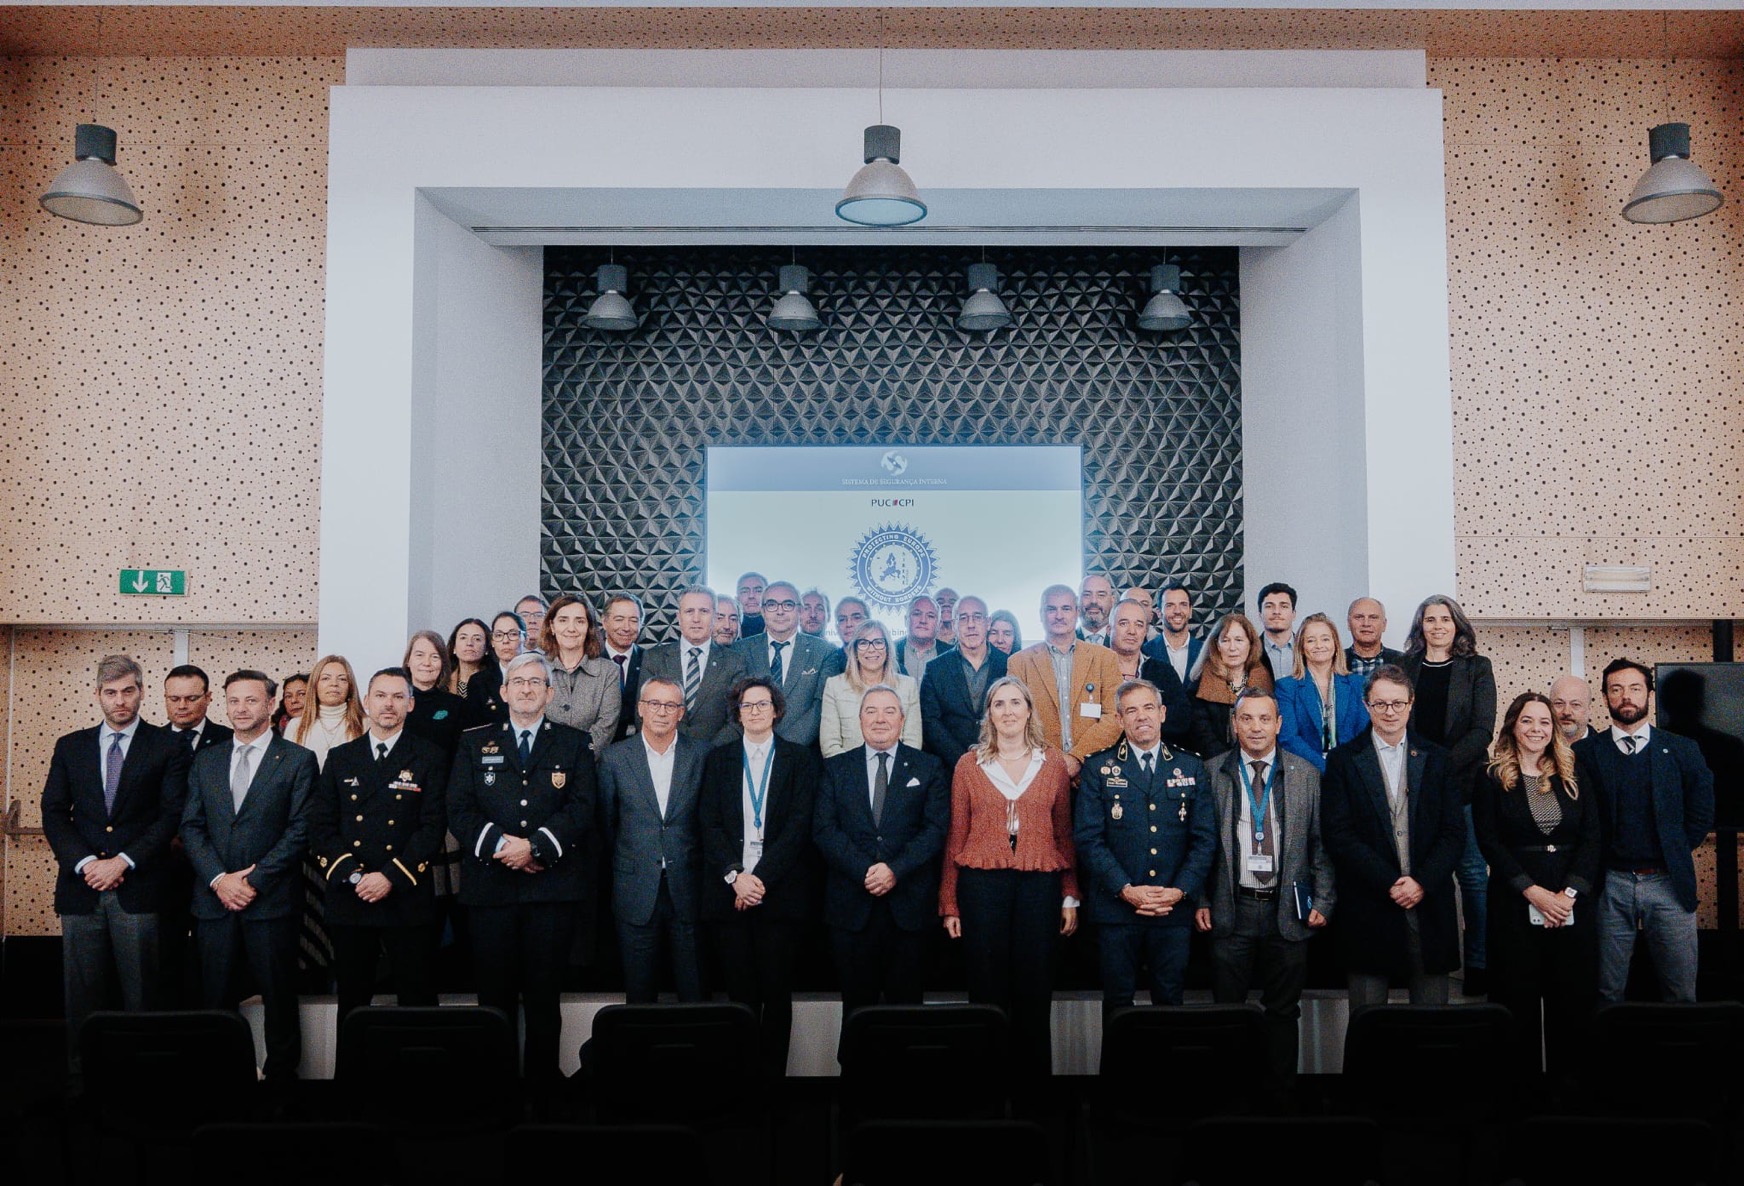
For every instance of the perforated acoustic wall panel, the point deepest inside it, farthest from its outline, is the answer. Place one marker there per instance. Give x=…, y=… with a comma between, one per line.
x=627, y=417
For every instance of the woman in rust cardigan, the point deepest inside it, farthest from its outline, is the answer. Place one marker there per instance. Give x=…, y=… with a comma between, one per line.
x=1010, y=878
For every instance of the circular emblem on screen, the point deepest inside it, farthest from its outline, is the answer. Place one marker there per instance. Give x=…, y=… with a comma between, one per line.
x=892, y=564
x=894, y=463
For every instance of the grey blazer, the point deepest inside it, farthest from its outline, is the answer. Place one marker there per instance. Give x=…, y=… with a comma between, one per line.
x=270, y=832
x=712, y=721
x=802, y=682
x=642, y=841
x=1296, y=794
x=588, y=699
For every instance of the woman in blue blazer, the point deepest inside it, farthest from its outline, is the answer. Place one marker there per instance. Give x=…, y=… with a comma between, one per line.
x=1320, y=704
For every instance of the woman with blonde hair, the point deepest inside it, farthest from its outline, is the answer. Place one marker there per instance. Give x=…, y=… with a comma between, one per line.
x=334, y=712
x=1234, y=661
x=1010, y=880
x=1320, y=703
x=871, y=662
x=1541, y=838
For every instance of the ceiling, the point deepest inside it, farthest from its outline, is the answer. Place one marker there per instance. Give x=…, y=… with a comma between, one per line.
x=273, y=30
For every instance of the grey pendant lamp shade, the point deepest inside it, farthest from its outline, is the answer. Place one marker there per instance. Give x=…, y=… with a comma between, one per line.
x=1165, y=311
x=1674, y=188
x=983, y=311
x=794, y=313
x=90, y=190
x=610, y=311
x=881, y=194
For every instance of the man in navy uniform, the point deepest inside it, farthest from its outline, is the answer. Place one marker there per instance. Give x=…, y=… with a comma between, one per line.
x=1146, y=834
x=521, y=801
x=109, y=809
x=375, y=825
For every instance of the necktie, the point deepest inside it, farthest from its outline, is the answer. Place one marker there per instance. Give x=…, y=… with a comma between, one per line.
x=241, y=775
x=880, y=788
x=775, y=663
x=1631, y=743
x=623, y=662
x=112, y=772
x=692, y=678
x=1266, y=845
x=192, y=737
x=1144, y=764
x=526, y=747
x=381, y=751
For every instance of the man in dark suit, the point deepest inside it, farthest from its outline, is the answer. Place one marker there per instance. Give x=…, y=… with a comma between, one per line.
x=1270, y=861
x=187, y=698
x=953, y=697
x=1571, y=701
x=794, y=660
x=1145, y=828
x=521, y=802
x=703, y=671
x=1175, y=643
x=1096, y=610
x=621, y=623
x=759, y=877
x=1367, y=619
x=881, y=819
x=1656, y=799
x=1126, y=638
x=110, y=806
x=376, y=823
x=1395, y=826
x=1277, y=606
x=245, y=830
x=920, y=646
x=851, y=614
x=649, y=786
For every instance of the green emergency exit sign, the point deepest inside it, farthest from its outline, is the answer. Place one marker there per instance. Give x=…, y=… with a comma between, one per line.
x=154, y=582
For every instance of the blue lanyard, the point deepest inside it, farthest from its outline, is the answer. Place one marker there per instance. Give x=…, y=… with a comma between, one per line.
x=1259, y=805
x=759, y=791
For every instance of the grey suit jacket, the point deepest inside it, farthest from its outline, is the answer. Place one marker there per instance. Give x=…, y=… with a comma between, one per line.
x=270, y=831
x=643, y=841
x=802, y=682
x=712, y=721
x=1303, y=858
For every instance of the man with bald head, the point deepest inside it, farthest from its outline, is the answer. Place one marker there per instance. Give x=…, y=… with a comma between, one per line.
x=1571, y=701
x=1096, y=608
x=1367, y=619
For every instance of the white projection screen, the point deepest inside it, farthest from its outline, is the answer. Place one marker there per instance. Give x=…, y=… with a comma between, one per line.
x=888, y=522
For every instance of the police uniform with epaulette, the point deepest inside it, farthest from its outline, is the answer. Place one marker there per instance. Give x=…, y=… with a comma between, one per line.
x=1144, y=826
x=375, y=814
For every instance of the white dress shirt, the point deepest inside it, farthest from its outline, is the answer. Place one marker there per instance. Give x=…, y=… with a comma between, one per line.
x=1392, y=764
x=759, y=757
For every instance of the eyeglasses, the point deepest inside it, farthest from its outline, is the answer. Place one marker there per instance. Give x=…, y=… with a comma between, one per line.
x=870, y=644
x=1389, y=707
x=971, y=616
x=527, y=682
x=661, y=705
x=505, y=635
x=780, y=604
x=756, y=705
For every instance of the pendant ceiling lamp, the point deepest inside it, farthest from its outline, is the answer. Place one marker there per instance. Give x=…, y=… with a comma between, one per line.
x=1165, y=311
x=90, y=190
x=1674, y=188
x=794, y=313
x=983, y=312
x=610, y=310
x=881, y=193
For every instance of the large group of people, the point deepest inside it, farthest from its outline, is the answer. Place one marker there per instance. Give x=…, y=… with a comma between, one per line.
x=725, y=790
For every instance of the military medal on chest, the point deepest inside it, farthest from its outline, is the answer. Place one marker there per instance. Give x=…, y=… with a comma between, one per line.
x=1116, y=812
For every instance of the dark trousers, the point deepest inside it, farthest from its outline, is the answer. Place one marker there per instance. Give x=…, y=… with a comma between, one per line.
x=757, y=956
x=642, y=943
x=109, y=960
x=180, y=974
x=1124, y=949
x=1009, y=922
x=879, y=964
x=1556, y=967
x=357, y=951
x=1253, y=945
x=518, y=954
x=265, y=949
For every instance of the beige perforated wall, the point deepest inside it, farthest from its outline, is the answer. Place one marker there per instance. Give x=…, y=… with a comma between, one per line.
x=163, y=381
x=1595, y=361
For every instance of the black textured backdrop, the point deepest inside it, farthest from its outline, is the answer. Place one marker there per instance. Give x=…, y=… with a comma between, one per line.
x=626, y=417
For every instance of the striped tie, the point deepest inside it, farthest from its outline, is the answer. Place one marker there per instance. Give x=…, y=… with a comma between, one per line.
x=692, y=678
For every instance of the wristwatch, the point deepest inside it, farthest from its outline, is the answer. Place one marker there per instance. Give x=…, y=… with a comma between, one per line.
x=1570, y=892
x=733, y=876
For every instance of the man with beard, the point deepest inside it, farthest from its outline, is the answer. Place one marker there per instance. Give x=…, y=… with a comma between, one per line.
x=1656, y=797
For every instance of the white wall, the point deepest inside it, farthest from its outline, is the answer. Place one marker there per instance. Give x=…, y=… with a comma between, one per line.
x=728, y=149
